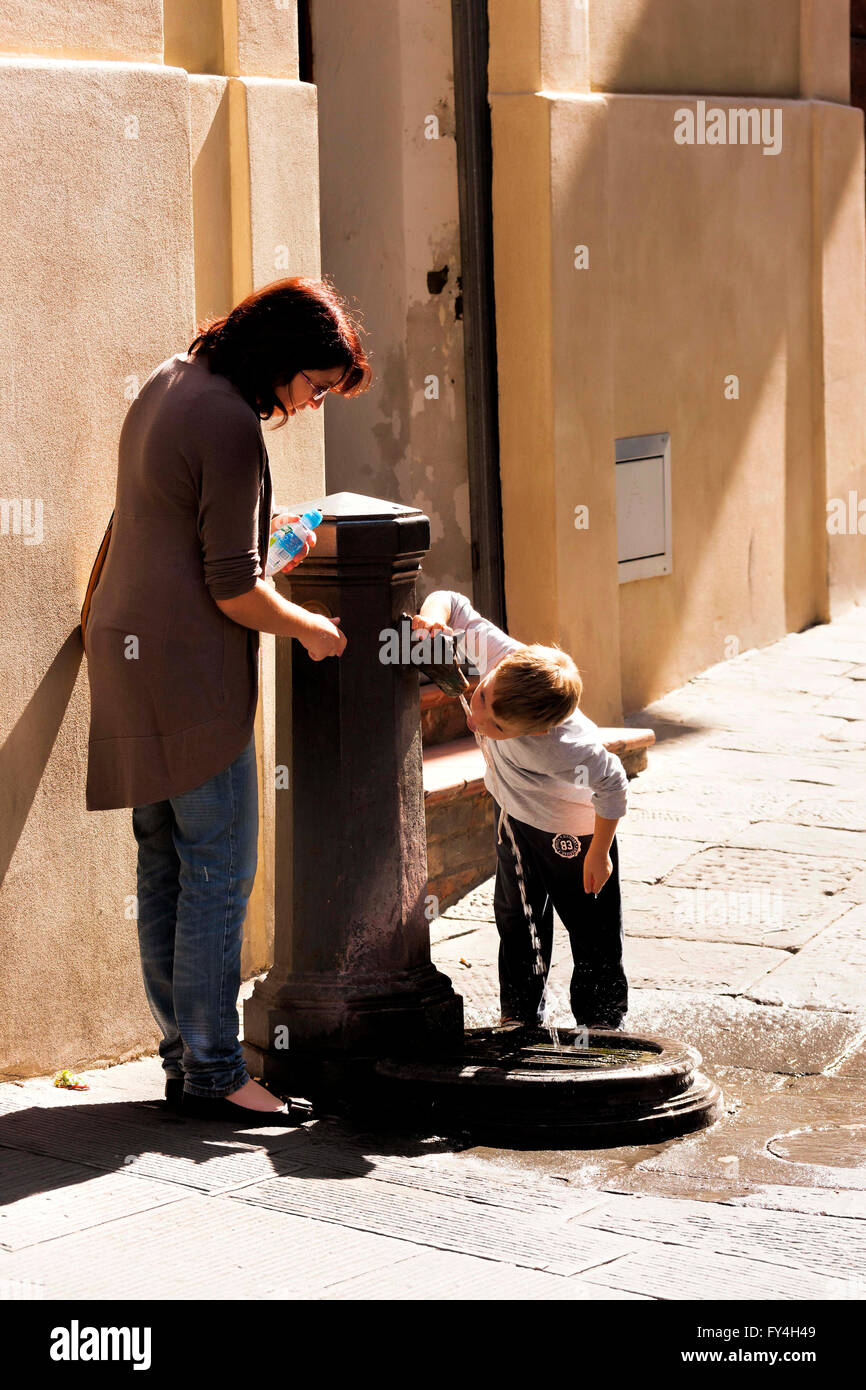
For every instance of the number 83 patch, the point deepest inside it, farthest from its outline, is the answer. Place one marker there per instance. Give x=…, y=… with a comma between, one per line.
x=566, y=846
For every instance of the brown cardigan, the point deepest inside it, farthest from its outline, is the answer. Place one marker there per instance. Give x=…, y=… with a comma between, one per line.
x=173, y=681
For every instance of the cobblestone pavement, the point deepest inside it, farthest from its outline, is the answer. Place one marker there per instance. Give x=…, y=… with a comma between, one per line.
x=743, y=859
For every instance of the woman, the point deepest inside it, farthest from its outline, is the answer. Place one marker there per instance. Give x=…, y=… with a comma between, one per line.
x=172, y=647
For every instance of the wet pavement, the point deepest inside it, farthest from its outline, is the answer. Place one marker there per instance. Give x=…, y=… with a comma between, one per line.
x=743, y=860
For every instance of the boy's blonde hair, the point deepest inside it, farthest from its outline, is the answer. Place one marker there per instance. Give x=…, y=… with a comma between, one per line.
x=536, y=688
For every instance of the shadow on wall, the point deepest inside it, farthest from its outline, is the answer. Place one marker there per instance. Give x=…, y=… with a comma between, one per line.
x=24, y=756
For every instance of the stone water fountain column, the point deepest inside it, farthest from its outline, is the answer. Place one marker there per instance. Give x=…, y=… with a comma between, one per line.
x=352, y=975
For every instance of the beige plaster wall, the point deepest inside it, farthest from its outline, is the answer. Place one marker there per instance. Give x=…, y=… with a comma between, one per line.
x=96, y=265
x=253, y=38
x=137, y=200
x=83, y=28
x=389, y=211
x=839, y=369
x=704, y=262
x=784, y=48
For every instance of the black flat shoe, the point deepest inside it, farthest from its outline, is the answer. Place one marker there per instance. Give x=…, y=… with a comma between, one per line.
x=174, y=1092
x=293, y=1112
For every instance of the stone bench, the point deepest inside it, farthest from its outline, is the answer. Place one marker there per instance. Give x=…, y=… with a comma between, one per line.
x=458, y=807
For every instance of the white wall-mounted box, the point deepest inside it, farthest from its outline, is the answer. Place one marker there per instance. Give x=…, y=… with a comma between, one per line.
x=643, y=506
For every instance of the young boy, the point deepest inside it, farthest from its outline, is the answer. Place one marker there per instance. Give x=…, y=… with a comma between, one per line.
x=563, y=794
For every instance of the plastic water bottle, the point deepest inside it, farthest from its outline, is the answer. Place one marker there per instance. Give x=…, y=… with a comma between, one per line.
x=287, y=540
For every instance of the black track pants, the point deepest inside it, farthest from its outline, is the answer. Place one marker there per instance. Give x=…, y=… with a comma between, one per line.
x=553, y=880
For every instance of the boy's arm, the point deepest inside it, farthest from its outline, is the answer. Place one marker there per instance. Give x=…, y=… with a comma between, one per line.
x=437, y=607
x=592, y=765
x=597, y=864
x=602, y=835
x=485, y=643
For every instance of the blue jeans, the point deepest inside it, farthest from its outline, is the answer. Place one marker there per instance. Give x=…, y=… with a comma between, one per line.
x=197, y=856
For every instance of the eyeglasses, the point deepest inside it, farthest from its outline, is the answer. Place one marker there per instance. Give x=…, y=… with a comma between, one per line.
x=319, y=391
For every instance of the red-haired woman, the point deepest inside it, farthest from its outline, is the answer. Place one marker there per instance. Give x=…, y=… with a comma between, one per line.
x=172, y=648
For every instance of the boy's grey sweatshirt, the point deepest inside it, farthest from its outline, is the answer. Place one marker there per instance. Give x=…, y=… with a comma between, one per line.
x=558, y=780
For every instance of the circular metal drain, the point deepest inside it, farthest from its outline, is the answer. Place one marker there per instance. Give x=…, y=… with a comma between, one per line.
x=518, y=1088
x=833, y=1146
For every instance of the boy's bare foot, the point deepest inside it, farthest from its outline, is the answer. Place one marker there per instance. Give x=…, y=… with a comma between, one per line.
x=252, y=1096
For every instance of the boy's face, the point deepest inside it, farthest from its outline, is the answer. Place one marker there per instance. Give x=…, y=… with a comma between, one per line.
x=482, y=714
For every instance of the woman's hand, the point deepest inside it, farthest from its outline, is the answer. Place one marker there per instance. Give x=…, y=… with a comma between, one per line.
x=282, y=519
x=597, y=869
x=323, y=638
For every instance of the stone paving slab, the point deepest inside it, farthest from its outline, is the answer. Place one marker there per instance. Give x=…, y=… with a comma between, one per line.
x=738, y=1032
x=712, y=966
x=439, y=1274
x=854, y=1066
x=438, y=1169
x=739, y=759
x=678, y=785
x=855, y=889
x=13, y=1097
x=476, y=905
x=842, y=811
x=453, y=928
x=813, y=1201
x=848, y=649
x=795, y=1240
x=849, y=732
x=816, y=743
x=726, y=800
x=768, y=870
x=141, y=1080
x=848, y=701
x=589, y=1172
x=163, y=1147
x=204, y=1247
x=785, y=718
x=646, y=859
x=426, y=1218
x=748, y=1136
x=810, y=676
x=676, y=1272
x=751, y=917
x=828, y=973
x=45, y=1198
x=480, y=945
x=734, y=684
x=822, y=840
x=658, y=823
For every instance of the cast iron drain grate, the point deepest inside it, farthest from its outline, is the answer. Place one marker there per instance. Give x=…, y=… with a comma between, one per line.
x=834, y=1146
